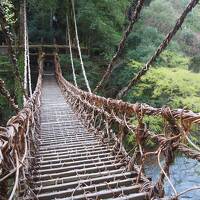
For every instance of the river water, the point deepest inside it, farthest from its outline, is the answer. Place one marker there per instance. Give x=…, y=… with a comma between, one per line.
x=184, y=174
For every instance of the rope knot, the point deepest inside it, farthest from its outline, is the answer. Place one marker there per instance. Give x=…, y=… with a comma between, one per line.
x=171, y=125
x=141, y=129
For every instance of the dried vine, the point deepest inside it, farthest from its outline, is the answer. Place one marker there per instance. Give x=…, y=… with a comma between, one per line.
x=133, y=19
x=160, y=49
x=14, y=140
x=112, y=119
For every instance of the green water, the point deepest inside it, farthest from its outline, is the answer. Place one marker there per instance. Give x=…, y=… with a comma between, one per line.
x=184, y=174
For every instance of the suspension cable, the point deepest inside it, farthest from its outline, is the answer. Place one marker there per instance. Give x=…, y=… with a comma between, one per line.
x=29, y=67
x=133, y=19
x=71, y=56
x=25, y=50
x=160, y=49
x=79, y=49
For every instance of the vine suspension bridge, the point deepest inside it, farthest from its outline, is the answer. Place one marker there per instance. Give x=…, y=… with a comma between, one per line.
x=66, y=143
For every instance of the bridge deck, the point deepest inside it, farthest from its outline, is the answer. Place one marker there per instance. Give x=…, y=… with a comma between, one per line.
x=72, y=163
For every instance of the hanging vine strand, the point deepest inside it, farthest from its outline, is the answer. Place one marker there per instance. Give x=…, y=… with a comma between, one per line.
x=25, y=52
x=19, y=140
x=160, y=49
x=27, y=70
x=115, y=116
x=29, y=66
x=110, y=120
x=133, y=19
x=71, y=56
x=79, y=49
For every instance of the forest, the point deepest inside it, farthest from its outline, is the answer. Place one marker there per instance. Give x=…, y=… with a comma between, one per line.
x=99, y=99
x=174, y=79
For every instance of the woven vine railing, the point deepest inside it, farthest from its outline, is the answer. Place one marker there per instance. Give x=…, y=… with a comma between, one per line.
x=18, y=142
x=115, y=120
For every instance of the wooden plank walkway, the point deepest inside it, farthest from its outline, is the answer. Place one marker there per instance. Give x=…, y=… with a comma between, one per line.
x=72, y=163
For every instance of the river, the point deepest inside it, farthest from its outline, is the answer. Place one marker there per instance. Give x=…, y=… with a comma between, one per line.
x=184, y=174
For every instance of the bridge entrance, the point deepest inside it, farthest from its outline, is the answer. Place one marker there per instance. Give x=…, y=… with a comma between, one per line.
x=49, y=65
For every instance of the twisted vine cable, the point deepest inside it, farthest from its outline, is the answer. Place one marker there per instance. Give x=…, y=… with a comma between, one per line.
x=29, y=67
x=27, y=70
x=134, y=18
x=160, y=49
x=28, y=55
x=25, y=50
x=71, y=56
x=79, y=49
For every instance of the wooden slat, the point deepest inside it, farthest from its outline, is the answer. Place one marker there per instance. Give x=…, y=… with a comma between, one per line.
x=72, y=161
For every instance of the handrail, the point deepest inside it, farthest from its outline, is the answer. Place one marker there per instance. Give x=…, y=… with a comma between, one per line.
x=119, y=106
x=112, y=119
x=13, y=138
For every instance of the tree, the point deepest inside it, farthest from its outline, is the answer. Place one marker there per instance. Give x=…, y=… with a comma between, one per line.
x=195, y=64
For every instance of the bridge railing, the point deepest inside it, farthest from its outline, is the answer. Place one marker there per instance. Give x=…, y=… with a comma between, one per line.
x=18, y=141
x=115, y=120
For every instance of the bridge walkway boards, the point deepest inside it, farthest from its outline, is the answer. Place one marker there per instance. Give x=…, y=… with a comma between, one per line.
x=73, y=163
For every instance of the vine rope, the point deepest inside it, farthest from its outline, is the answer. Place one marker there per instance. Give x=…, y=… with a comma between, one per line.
x=113, y=120
x=133, y=19
x=79, y=49
x=160, y=49
x=71, y=55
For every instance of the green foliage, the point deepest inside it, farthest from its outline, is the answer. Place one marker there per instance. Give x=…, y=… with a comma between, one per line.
x=40, y=20
x=141, y=38
x=157, y=15
x=6, y=75
x=127, y=72
x=187, y=36
x=130, y=142
x=195, y=64
x=100, y=26
x=101, y=23
x=18, y=92
x=172, y=59
x=89, y=64
x=9, y=11
x=193, y=19
x=120, y=77
x=11, y=84
x=154, y=123
x=144, y=41
x=175, y=87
